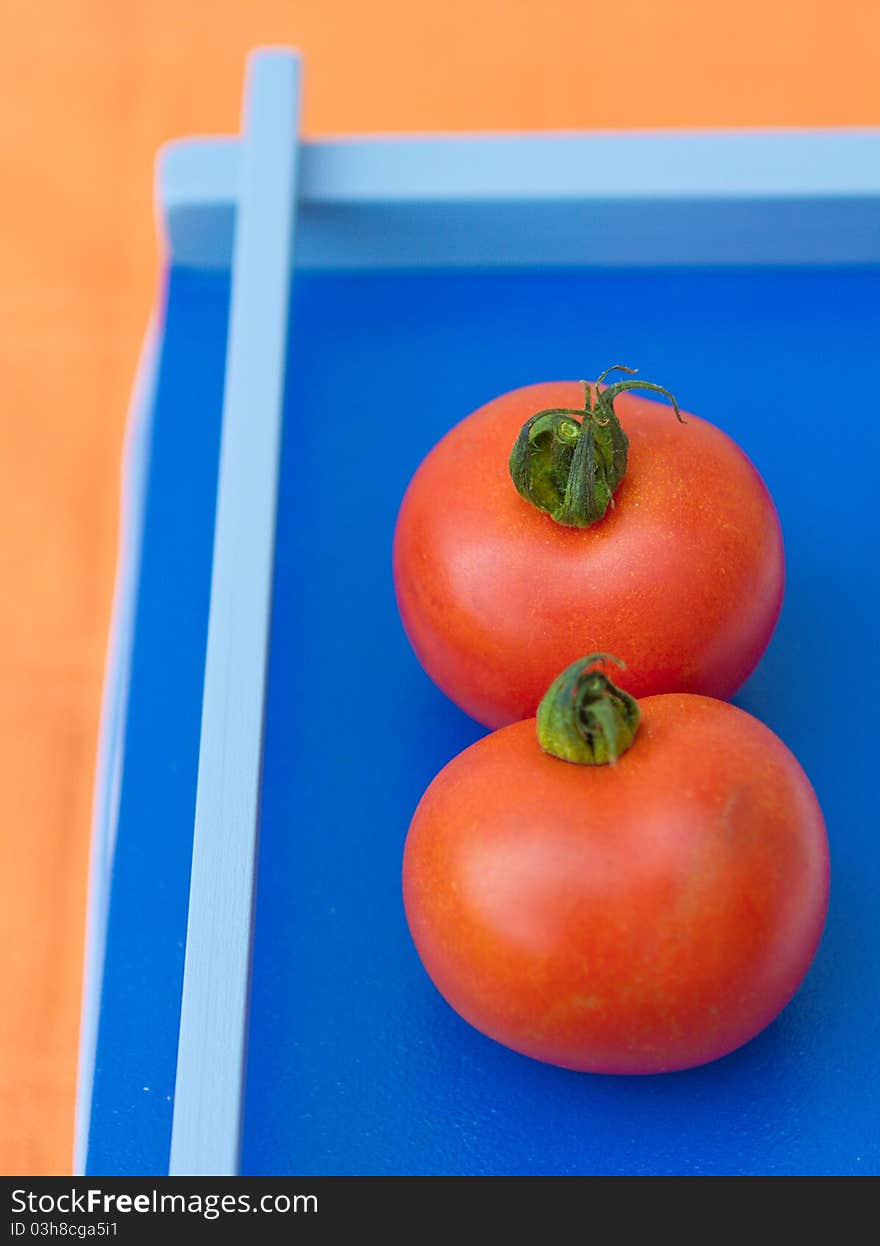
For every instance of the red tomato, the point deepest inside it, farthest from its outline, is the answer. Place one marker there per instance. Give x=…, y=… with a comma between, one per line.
x=639, y=917
x=684, y=575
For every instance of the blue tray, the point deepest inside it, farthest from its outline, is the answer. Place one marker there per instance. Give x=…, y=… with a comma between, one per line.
x=253, y=1001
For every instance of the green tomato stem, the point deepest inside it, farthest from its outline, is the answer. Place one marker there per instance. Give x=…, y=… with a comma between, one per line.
x=569, y=461
x=584, y=717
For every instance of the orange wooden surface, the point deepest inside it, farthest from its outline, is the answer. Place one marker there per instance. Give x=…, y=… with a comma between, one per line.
x=89, y=91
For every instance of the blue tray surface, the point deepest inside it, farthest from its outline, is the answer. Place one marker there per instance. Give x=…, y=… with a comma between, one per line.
x=356, y=1064
x=136, y=1057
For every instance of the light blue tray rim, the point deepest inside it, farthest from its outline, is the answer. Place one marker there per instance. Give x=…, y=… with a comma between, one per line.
x=700, y=197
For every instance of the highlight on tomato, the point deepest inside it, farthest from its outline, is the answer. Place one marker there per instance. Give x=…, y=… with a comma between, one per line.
x=615, y=886
x=564, y=518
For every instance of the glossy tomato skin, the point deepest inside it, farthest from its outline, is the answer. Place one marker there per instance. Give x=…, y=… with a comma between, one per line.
x=683, y=578
x=640, y=917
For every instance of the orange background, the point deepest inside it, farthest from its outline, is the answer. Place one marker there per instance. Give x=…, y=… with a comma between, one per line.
x=90, y=89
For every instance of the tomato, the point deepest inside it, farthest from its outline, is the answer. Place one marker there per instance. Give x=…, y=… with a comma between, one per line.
x=684, y=573
x=639, y=917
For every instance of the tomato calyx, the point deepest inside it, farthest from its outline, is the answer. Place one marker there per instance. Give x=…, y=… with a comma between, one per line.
x=569, y=461
x=584, y=717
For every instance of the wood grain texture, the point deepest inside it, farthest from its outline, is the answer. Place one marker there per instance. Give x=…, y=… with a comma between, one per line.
x=89, y=91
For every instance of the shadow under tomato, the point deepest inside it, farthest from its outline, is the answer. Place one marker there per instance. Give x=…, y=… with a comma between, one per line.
x=706, y=1119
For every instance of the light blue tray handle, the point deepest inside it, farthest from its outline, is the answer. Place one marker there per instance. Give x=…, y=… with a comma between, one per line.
x=209, y=1088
